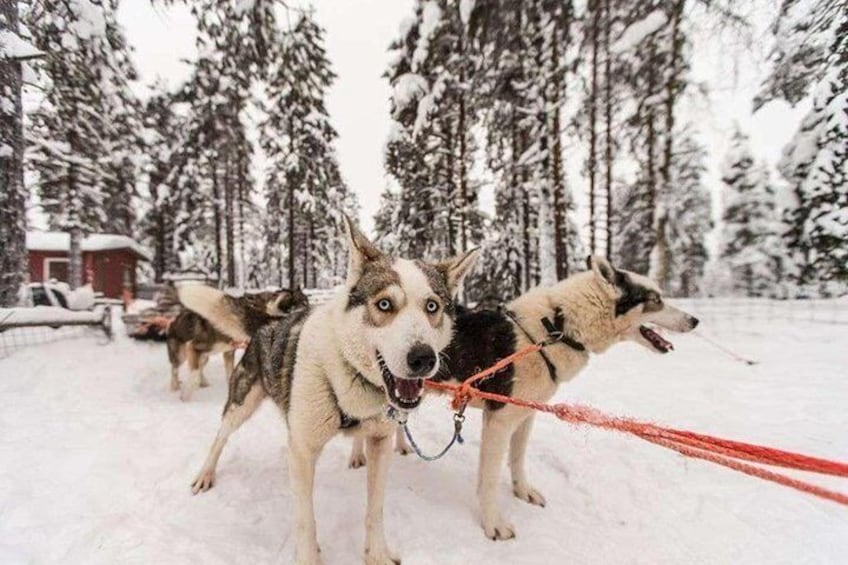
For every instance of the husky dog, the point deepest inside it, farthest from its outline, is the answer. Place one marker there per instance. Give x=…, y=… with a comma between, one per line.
x=588, y=312
x=337, y=368
x=192, y=338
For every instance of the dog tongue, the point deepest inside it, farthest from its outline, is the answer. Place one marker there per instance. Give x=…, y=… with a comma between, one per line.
x=409, y=389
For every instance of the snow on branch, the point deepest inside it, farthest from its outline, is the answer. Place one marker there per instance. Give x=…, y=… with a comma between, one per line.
x=12, y=46
x=637, y=32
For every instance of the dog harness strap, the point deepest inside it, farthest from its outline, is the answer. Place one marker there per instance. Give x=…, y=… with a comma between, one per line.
x=551, y=368
x=556, y=333
x=556, y=330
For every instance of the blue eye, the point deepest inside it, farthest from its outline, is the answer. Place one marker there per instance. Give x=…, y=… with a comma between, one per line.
x=432, y=306
x=384, y=305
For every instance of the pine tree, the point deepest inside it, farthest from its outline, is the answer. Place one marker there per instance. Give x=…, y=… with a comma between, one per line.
x=305, y=194
x=13, y=52
x=814, y=163
x=749, y=222
x=73, y=128
x=811, y=58
x=689, y=217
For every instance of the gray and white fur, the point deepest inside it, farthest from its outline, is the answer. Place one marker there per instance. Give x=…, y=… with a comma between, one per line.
x=336, y=369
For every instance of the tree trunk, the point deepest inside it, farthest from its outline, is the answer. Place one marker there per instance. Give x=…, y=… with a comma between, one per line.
x=74, y=218
x=229, y=220
x=593, y=125
x=13, y=257
x=216, y=214
x=463, y=148
x=560, y=203
x=660, y=271
x=608, y=125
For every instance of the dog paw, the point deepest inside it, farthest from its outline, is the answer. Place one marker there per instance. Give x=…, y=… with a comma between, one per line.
x=204, y=383
x=403, y=449
x=175, y=386
x=384, y=557
x=204, y=481
x=185, y=394
x=311, y=557
x=499, y=530
x=356, y=461
x=529, y=494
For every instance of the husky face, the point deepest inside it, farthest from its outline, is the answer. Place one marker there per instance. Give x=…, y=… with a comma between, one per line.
x=275, y=304
x=405, y=311
x=640, y=308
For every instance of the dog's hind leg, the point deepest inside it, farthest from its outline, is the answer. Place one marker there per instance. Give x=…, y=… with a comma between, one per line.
x=401, y=446
x=493, y=448
x=193, y=381
x=517, y=451
x=176, y=355
x=379, y=451
x=204, y=359
x=234, y=416
x=357, y=453
x=229, y=363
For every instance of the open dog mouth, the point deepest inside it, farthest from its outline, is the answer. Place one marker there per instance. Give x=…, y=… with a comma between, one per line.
x=656, y=340
x=403, y=393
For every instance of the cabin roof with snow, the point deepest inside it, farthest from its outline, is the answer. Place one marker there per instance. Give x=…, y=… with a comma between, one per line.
x=61, y=241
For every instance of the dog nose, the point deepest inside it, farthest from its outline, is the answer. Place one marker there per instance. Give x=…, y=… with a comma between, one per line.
x=694, y=321
x=421, y=359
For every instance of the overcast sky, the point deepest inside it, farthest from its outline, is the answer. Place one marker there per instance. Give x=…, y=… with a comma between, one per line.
x=359, y=32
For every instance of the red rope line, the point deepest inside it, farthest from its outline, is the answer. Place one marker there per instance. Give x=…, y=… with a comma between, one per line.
x=725, y=452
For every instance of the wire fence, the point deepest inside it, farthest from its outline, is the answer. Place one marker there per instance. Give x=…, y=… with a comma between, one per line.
x=738, y=312
x=15, y=339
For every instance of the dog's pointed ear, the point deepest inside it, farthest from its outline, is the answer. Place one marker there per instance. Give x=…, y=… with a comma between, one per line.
x=604, y=272
x=360, y=251
x=456, y=268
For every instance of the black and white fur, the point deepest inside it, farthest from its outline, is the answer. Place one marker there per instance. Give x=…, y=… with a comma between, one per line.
x=336, y=368
x=601, y=307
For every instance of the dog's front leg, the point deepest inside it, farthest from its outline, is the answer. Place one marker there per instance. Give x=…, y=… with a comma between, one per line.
x=401, y=445
x=517, y=454
x=302, y=458
x=378, y=451
x=357, y=453
x=493, y=447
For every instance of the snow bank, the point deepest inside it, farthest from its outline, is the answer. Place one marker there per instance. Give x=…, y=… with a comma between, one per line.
x=637, y=32
x=48, y=315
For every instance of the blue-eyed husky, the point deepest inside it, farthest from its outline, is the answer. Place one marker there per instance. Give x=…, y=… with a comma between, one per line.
x=335, y=369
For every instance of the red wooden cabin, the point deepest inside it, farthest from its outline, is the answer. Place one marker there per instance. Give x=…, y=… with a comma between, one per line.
x=109, y=260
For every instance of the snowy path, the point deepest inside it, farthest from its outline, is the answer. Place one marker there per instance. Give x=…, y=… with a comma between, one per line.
x=96, y=457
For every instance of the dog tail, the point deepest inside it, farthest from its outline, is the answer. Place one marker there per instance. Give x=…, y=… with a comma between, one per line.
x=215, y=307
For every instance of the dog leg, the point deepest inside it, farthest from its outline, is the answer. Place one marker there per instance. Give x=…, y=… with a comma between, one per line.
x=493, y=447
x=193, y=381
x=302, y=458
x=204, y=359
x=175, y=378
x=176, y=355
x=234, y=416
x=517, y=450
x=229, y=363
x=357, y=454
x=400, y=442
x=379, y=450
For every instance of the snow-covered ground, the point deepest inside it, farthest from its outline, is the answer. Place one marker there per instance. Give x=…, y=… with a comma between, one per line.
x=96, y=457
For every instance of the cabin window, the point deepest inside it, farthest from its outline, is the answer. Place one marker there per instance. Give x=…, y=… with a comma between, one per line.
x=56, y=268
